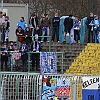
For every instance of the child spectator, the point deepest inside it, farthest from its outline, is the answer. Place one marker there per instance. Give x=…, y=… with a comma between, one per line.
x=24, y=55
x=17, y=57
x=4, y=56
x=10, y=54
x=77, y=25
x=20, y=34
x=28, y=38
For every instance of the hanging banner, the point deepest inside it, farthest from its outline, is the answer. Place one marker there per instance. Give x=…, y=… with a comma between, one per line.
x=91, y=88
x=63, y=88
x=48, y=62
x=49, y=88
x=58, y=88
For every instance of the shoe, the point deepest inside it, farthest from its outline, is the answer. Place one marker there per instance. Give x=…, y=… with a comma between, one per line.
x=58, y=41
x=41, y=41
x=47, y=41
x=78, y=41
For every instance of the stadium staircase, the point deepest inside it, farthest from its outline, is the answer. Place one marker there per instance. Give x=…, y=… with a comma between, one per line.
x=88, y=61
x=70, y=52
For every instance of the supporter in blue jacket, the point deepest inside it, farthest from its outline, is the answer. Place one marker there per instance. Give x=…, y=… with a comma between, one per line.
x=22, y=23
x=55, y=27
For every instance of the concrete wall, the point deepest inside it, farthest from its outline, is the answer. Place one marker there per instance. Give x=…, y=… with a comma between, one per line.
x=15, y=11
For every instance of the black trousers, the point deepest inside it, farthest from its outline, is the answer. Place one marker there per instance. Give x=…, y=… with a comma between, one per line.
x=76, y=34
x=35, y=60
x=2, y=63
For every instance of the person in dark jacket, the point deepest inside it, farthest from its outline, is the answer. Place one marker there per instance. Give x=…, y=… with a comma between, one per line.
x=35, y=47
x=24, y=55
x=37, y=31
x=55, y=27
x=28, y=38
x=68, y=24
x=20, y=34
x=7, y=28
x=89, y=27
x=45, y=25
x=4, y=56
x=34, y=21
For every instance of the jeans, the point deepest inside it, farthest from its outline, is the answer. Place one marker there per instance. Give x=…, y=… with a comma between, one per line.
x=90, y=35
x=24, y=64
x=19, y=44
x=55, y=31
x=45, y=32
x=6, y=36
x=95, y=36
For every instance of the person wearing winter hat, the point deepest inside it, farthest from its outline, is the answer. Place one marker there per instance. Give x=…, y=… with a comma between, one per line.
x=35, y=47
x=95, y=25
x=76, y=26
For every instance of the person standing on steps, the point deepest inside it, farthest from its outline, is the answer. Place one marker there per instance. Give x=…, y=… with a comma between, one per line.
x=55, y=27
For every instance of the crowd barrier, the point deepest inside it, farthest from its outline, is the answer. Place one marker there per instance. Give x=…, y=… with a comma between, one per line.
x=29, y=62
x=33, y=86
x=49, y=43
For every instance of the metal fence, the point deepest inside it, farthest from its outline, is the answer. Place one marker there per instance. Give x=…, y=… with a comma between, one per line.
x=29, y=86
x=12, y=65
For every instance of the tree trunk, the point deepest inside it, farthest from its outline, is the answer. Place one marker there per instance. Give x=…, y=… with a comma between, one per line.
x=92, y=6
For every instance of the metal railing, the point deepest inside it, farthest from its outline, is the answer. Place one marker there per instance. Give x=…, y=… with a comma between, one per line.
x=49, y=43
x=30, y=86
x=29, y=60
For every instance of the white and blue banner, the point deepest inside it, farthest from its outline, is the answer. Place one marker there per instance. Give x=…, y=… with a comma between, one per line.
x=48, y=62
x=72, y=36
x=91, y=88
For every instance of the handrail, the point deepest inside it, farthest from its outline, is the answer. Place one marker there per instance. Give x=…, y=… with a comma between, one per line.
x=29, y=54
x=49, y=43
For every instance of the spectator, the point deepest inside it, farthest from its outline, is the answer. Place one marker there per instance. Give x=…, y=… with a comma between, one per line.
x=17, y=57
x=90, y=32
x=22, y=23
x=20, y=34
x=1, y=27
x=76, y=26
x=34, y=23
x=35, y=47
x=95, y=25
x=55, y=26
x=28, y=38
x=68, y=24
x=7, y=28
x=10, y=55
x=4, y=56
x=45, y=25
x=24, y=55
x=38, y=31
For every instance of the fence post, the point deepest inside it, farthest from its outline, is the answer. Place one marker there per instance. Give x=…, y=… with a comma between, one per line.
x=49, y=43
x=0, y=88
x=17, y=86
x=28, y=61
x=17, y=40
x=74, y=88
x=62, y=69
